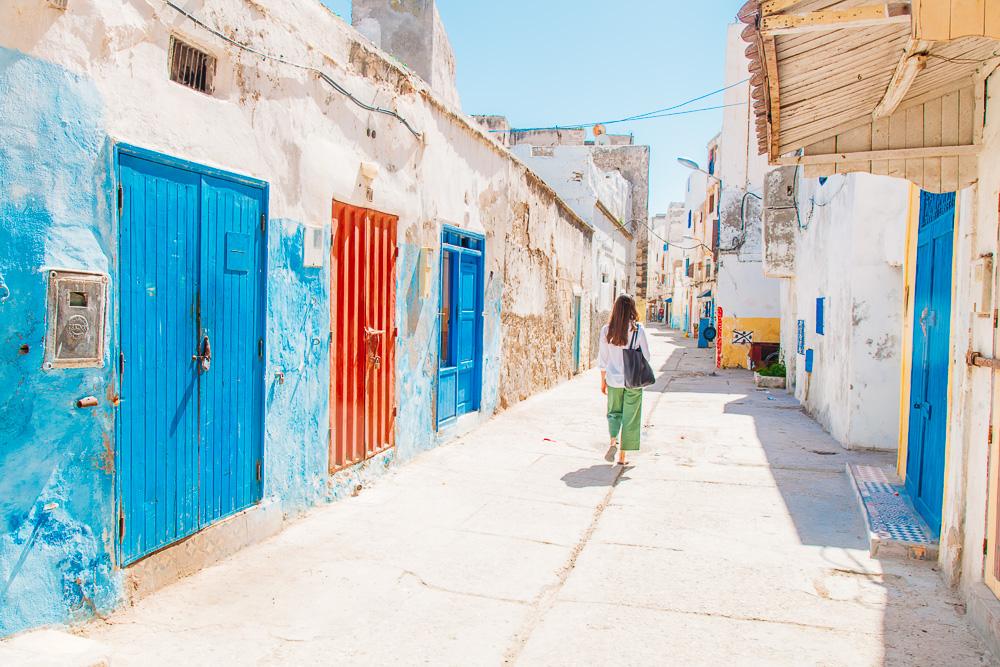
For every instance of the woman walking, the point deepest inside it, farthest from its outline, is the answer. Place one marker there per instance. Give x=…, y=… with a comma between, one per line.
x=622, y=332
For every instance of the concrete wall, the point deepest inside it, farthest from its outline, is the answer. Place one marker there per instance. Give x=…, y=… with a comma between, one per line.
x=77, y=82
x=851, y=240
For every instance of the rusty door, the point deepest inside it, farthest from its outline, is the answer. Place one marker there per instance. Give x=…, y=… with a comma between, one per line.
x=363, y=335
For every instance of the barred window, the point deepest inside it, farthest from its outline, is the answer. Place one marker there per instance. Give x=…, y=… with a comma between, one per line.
x=191, y=67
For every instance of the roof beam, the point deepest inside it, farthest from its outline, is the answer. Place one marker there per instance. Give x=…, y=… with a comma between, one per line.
x=774, y=6
x=889, y=154
x=883, y=13
x=913, y=62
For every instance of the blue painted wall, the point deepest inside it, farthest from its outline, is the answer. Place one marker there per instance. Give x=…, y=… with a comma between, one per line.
x=417, y=354
x=298, y=345
x=56, y=486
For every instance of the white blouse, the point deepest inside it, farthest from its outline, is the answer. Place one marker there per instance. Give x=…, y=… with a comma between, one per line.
x=612, y=361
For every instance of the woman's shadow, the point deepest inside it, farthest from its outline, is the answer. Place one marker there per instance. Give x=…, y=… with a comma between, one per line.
x=606, y=474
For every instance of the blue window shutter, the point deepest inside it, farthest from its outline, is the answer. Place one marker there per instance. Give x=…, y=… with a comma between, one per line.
x=689, y=220
x=820, y=312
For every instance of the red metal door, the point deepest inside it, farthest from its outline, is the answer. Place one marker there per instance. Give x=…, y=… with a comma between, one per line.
x=362, y=318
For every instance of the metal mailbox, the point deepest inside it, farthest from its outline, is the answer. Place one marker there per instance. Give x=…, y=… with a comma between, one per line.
x=76, y=332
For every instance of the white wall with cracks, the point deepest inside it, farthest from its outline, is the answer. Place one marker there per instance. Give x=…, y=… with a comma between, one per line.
x=849, y=252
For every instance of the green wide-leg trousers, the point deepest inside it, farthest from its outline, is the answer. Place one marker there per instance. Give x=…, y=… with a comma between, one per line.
x=625, y=416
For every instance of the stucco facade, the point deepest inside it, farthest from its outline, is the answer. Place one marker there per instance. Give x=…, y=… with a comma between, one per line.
x=82, y=82
x=748, y=299
x=856, y=222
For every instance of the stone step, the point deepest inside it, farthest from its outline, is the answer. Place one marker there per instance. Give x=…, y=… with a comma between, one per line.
x=895, y=529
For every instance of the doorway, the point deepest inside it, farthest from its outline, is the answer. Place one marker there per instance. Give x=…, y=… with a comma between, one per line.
x=931, y=352
x=460, y=325
x=363, y=335
x=191, y=348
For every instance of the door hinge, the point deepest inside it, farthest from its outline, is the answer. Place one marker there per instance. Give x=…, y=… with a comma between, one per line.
x=260, y=476
x=996, y=317
x=263, y=222
x=121, y=364
x=985, y=546
x=121, y=198
x=260, y=348
x=121, y=525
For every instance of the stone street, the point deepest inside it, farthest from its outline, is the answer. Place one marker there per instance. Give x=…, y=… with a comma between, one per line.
x=734, y=539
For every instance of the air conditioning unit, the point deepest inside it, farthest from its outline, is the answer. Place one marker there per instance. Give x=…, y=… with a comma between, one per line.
x=59, y=4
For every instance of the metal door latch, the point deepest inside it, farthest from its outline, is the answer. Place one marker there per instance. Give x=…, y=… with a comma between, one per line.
x=978, y=360
x=205, y=358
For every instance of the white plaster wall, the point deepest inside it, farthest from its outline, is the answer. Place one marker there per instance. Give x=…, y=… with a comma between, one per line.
x=849, y=226
x=743, y=289
x=881, y=214
x=966, y=484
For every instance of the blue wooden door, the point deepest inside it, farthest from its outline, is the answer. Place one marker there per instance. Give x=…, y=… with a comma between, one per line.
x=577, y=316
x=460, y=325
x=467, y=320
x=232, y=308
x=931, y=351
x=191, y=345
x=157, y=457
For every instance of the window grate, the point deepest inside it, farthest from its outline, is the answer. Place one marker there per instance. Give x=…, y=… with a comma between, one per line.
x=191, y=67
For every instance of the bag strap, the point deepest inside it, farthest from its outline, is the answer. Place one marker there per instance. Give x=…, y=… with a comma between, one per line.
x=635, y=336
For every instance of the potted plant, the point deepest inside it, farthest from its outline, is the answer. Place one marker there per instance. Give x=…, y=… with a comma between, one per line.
x=771, y=377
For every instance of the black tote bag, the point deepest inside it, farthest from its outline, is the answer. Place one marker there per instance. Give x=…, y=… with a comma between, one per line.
x=638, y=372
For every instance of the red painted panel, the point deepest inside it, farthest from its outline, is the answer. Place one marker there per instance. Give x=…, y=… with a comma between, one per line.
x=362, y=319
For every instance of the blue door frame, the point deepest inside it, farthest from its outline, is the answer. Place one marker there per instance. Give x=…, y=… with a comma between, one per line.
x=460, y=324
x=925, y=460
x=192, y=266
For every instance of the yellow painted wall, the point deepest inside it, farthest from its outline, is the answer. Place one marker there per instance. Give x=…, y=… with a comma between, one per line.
x=910, y=268
x=640, y=305
x=765, y=330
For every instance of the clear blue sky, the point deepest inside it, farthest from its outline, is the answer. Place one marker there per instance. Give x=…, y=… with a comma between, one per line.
x=548, y=62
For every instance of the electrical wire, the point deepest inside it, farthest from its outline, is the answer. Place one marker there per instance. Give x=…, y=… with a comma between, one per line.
x=585, y=125
x=321, y=74
x=657, y=113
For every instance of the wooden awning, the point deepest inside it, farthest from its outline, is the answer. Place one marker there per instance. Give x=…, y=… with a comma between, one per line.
x=891, y=88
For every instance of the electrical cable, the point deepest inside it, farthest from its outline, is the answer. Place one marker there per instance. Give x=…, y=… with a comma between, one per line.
x=657, y=113
x=321, y=74
x=580, y=127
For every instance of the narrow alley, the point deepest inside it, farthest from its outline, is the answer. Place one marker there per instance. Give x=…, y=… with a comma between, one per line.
x=734, y=538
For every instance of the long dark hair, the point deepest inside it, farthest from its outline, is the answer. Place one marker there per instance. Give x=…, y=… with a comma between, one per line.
x=623, y=316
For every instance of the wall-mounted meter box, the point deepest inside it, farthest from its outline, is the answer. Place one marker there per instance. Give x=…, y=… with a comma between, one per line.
x=77, y=305
x=314, y=247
